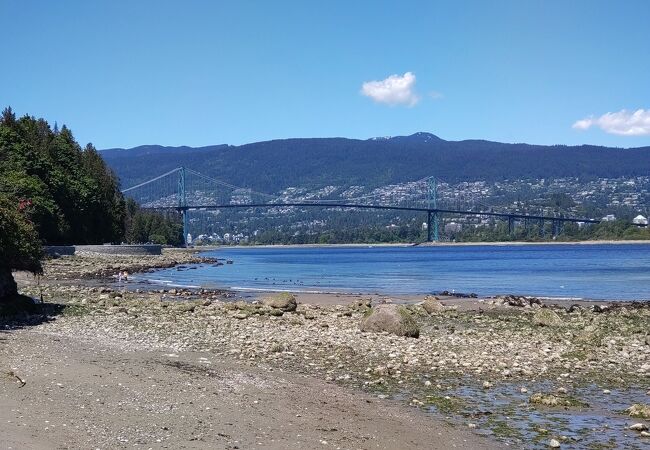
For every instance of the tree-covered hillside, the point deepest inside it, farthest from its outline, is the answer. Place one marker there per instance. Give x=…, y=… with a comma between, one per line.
x=72, y=196
x=273, y=165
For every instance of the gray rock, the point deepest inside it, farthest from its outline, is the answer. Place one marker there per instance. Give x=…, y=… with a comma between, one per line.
x=640, y=410
x=284, y=301
x=546, y=317
x=392, y=319
x=432, y=306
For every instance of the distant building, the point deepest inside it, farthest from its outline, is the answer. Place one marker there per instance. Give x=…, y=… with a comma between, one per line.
x=609, y=218
x=640, y=220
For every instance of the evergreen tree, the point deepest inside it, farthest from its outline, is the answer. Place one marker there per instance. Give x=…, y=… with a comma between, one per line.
x=75, y=196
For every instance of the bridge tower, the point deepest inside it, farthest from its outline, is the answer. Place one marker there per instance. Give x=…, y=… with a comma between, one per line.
x=511, y=224
x=432, y=191
x=557, y=227
x=182, y=202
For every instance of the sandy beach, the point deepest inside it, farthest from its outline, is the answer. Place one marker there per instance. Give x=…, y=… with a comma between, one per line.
x=94, y=393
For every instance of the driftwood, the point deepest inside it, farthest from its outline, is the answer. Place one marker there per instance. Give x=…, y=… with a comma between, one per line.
x=12, y=374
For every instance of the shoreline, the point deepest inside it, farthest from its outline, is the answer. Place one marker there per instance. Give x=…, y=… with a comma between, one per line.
x=423, y=244
x=406, y=298
x=148, y=284
x=325, y=297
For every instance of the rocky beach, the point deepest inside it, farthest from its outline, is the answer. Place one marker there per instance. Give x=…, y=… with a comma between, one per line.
x=286, y=371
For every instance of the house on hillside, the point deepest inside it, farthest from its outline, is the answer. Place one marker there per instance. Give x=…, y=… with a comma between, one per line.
x=640, y=220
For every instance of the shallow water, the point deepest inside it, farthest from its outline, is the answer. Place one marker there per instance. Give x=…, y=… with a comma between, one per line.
x=610, y=272
x=504, y=411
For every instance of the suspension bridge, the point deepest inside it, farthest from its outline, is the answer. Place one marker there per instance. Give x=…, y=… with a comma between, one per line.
x=184, y=190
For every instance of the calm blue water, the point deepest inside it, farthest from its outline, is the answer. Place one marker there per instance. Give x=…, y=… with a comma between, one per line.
x=576, y=271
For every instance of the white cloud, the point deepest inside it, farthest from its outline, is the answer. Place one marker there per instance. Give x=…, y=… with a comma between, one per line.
x=394, y=90
x=623, y=122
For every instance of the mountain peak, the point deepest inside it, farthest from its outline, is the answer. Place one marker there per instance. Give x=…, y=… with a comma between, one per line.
x=420, y=136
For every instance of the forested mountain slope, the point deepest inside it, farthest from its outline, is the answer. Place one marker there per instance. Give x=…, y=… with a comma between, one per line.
x=272, y=165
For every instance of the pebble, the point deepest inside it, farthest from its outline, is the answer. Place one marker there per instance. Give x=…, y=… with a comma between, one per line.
x=554, y=443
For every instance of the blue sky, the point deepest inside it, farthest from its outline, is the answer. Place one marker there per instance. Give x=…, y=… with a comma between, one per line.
x=126, y=73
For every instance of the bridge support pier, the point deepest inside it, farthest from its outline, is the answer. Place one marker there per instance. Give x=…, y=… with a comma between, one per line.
x=185, y=226
x=511, y=224
x=433, y=220
x=557, y=227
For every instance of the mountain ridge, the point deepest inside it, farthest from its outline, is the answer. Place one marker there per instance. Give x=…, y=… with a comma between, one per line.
x=312, y=162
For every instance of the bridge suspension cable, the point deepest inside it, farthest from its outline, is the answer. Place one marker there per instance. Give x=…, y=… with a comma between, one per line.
x=228, y=185
x=150, y=181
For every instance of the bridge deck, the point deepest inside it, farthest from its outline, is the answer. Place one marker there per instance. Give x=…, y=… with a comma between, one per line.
x=396, y=208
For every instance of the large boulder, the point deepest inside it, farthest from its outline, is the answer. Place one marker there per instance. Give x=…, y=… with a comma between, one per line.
x=284, y=301
x=432, y=305
x=394, y=319
x=546, y=317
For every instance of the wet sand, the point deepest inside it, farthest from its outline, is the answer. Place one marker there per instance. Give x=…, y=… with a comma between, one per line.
x=81, y=393
x=461, y=304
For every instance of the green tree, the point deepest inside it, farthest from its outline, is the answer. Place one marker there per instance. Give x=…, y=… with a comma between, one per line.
x=148, y=226
x=20, y=247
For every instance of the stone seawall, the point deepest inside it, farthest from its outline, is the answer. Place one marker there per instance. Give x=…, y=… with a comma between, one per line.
x=67, y=250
